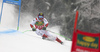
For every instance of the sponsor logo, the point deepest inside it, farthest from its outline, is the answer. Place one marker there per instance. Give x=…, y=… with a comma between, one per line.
x=39, y=23
x=88, y=39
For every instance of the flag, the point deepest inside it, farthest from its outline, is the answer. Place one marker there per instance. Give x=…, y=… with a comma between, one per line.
x=15, y=2
x=85, y=41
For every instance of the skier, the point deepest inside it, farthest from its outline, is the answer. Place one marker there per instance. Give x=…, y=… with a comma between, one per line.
x=39, y=25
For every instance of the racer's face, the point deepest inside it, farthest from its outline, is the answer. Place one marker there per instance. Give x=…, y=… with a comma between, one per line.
x=40, y=17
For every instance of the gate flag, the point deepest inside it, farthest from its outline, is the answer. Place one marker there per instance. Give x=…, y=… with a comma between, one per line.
x=15, y=2
x=84, y=41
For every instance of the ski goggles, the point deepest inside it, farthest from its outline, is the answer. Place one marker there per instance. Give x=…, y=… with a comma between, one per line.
x=40, y=16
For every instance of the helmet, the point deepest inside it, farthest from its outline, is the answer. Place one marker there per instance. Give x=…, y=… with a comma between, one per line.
x=40, y=16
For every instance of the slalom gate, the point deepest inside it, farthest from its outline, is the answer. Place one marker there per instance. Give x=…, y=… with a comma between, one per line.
x=14, y=2
x=85, y=41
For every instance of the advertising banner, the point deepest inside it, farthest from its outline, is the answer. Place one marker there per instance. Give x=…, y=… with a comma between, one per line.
x=85, y=42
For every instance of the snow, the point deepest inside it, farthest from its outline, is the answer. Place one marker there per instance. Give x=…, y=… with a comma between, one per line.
x=15, y=41
x=48, y=7
x=48, y=3
x=12, y=40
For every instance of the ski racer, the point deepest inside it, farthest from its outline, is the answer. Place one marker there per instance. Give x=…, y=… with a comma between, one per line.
x=39, y=25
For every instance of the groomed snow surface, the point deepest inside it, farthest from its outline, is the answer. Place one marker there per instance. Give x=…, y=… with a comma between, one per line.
x=15, y=41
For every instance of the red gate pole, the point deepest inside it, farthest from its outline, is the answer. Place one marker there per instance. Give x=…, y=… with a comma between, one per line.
x=76, y=18
x=75, y=24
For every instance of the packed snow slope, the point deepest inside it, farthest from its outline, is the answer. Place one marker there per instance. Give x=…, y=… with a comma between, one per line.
x=15, y=41
x=12, y=40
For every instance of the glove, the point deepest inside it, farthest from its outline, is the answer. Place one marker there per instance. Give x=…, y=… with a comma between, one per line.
x=33, y=29
x=44, y=28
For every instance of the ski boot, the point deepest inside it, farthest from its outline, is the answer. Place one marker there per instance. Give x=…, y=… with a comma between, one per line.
x=44, y=36
x=58, y=40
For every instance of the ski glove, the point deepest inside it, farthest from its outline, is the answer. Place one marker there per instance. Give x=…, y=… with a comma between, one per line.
x=44, y=28
x=33, y=29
